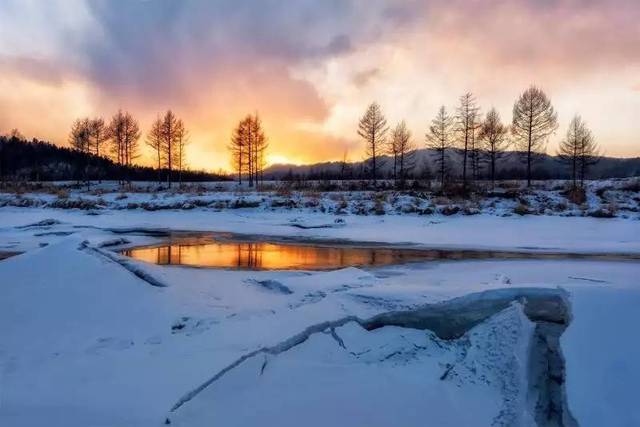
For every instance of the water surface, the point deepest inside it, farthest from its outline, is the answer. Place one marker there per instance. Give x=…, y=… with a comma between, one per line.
x=270, y=256
x=263, y=255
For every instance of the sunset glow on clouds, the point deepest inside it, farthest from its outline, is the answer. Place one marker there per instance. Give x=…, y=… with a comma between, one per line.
x=310, y=68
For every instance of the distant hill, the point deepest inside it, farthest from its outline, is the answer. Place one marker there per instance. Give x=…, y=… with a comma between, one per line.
x=41, y=161
x=509, y=166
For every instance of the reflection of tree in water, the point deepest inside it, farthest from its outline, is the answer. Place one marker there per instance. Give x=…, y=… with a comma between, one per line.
x=269, y=256
x=171, y=254
x=249, y=255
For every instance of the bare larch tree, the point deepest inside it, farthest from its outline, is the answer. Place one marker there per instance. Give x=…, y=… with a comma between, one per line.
x=534, y=120
x=169, y=136
x=80, y=135
x=80, y=140
x=99, y=135
x=493, y=136
x=373, y=129
x=154, y=141
x=475, y=147
x=259, y=147
x=248, y=149
x=124, y=133
x=439, y=140
x=402, y=150
x=238, y=148
x=466, y=124
x=182, y=140
x=578, y=150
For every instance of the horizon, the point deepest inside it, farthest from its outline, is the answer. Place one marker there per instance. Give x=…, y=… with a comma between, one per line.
x=214, y=63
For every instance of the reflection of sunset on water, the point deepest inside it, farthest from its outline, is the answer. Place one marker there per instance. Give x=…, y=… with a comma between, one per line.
x=267, y=256
x=282, y=256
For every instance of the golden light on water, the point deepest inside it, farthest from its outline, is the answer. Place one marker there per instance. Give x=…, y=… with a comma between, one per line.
x=272, y=256
x=289, y=256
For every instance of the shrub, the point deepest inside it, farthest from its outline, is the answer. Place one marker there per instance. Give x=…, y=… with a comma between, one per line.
x=601, y=213
x=242, y=203
x=521, y=209
x=281, y=203
x=378, y=206
x=450, y=210
x=341, y=209
x=62, y=193
x=633, y=185
x=576, y=195
x=560, y=207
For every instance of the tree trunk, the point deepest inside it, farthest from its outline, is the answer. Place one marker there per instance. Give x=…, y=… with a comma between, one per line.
x=493, y=170
x=464, y=162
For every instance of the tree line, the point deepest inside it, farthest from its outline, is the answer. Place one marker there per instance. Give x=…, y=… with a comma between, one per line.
x=36, y=161
x=119, y=139
x=482, y=141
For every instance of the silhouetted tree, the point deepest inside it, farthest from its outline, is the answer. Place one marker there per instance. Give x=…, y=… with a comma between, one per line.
x=494, y=142
x=98, y=132
x=403, y=151
x=154, y=141
x=534, y=120
x=578, y=150
x=466, y=122
x=80, y=141
x=373, y=129
x=124, y=133
x=344, y=165
x=475, y=148
x=169, y=141
x=258, y=148
x=16, y=134
x=182, y=139
x=439, y=140
x=99, y=135
x=589, y=155
x=248, y=149
x=238, y=148
x=80, y=135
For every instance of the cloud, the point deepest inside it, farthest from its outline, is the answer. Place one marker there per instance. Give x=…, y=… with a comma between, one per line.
x=308, y=67
x=362, y=78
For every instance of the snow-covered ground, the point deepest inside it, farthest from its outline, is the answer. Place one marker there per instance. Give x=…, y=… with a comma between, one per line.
x=83, y=341
x=607, y=198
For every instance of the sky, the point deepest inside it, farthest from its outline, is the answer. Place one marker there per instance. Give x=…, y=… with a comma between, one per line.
x=309, y=68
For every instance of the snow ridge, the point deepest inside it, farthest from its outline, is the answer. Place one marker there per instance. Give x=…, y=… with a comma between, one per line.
x=450, y=320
